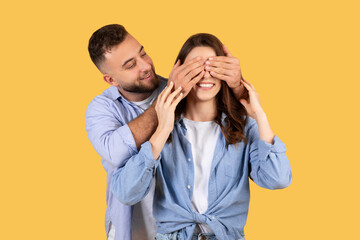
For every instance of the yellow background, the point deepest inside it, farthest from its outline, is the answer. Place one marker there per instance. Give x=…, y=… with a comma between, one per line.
x=302, y=57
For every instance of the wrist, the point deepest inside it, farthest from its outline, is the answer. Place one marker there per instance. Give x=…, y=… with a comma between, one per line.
x=157, y=141
x=259, y=114
x=161, y=133
x=237, y=87
x=239, y=92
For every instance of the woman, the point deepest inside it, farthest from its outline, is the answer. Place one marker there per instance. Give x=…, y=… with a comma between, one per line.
x=202, y=169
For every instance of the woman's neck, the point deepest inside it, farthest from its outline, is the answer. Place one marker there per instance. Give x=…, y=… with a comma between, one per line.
x=200, y=111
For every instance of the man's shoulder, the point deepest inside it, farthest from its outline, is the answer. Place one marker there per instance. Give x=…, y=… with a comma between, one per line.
x=162, y=79
x=110, y=94
x=163, y=82
x=105, y=99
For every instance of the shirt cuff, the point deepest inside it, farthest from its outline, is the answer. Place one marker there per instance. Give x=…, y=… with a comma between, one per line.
x=265, y=148
x=127, y=137
x=147, y=156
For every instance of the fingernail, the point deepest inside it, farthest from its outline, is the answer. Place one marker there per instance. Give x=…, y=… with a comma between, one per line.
x=198, y=58
x=211, y=58
x=207, y=67
x=180, y=87
x=207, y=62
x=171, y=83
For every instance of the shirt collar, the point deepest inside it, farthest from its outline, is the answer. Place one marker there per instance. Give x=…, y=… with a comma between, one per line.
x=114, y=93
x=181, y=123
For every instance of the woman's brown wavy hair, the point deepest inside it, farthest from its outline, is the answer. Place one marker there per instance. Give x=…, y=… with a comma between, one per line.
x=236, y=116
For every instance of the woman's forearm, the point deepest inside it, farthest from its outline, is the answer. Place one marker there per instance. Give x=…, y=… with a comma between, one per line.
x=265, y=132
x=157, y=141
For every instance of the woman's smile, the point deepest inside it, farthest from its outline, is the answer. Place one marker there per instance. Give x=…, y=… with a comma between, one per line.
x=205, y=86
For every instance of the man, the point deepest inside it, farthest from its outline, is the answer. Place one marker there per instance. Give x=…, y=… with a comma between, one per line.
x=123, y=117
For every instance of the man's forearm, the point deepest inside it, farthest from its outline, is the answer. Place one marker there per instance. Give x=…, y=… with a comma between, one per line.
x=144, y=126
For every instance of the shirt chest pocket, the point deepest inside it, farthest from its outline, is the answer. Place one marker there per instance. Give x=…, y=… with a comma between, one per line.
x=231, y=170
x=235, y=168
x=235, y=162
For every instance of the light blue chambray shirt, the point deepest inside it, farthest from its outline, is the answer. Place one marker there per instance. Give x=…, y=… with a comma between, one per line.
x=228, y=199
x=107, y=119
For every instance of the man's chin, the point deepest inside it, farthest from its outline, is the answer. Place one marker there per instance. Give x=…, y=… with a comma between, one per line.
x=154, y=82
x=145, y=88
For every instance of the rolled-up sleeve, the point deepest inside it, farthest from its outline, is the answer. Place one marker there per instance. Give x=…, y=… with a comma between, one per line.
x=132, y=182
x=270, y=167
x=111, y=137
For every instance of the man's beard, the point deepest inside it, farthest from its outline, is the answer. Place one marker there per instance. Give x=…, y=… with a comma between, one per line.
x=144, y=88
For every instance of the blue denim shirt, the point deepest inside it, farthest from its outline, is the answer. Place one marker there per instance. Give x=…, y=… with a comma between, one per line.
x=107, y=119
x=228, y=199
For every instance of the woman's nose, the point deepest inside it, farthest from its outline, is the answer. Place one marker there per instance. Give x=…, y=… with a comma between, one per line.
x=207, y=74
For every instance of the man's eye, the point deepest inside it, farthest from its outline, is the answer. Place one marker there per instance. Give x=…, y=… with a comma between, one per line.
x=131, y=66
x=143, y=54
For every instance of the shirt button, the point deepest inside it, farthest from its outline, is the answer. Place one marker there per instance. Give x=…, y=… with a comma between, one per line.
x=188, y=186
x=189, y=159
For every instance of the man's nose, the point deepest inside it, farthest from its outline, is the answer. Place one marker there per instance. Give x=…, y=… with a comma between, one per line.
x=144, y=65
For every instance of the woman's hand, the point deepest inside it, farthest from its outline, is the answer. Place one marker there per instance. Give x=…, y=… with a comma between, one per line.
x=165, y=111
x=166, y=105
x=254, y=110
x=252, y=104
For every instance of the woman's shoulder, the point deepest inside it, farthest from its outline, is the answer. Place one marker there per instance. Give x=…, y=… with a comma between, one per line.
x=250, y=121
x=251, y=127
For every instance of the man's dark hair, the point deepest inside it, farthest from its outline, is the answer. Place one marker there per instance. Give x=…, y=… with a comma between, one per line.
x=103, y=40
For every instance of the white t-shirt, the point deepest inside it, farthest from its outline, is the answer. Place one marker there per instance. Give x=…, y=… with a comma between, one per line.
x=145, y=104
x=142, y=217
x=202, y=137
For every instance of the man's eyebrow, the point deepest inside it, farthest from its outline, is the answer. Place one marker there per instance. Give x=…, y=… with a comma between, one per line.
x=129, y=60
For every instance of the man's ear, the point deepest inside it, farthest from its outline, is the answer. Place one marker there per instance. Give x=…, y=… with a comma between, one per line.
x=107, y=78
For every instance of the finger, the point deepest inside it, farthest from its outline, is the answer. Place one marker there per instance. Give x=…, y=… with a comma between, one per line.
x=248, y=83
x=226, y=51
x=175, y=69
x=164, y=94
x=170, y=98
x=197, y=78
x=221, y=71
x=176, y=100
x=247, y=86
x=193, y=73
x=220, y=64
x=220, y=76
x=224, y=59
x=177, y=64
x=189, y=69
x=191, y=84
x=195, y=60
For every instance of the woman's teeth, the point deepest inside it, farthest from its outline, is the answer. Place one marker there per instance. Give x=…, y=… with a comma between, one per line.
x=206, y=85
